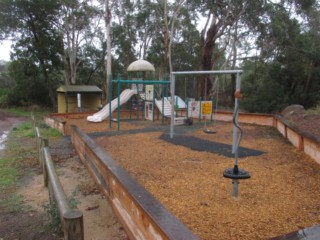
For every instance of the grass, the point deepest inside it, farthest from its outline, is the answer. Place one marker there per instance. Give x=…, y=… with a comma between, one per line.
x=314, y=110
x=11, y=166
x=25, y=112
x=20, y=152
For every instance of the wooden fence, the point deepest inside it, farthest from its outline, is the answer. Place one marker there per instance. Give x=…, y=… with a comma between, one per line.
x=71, y=219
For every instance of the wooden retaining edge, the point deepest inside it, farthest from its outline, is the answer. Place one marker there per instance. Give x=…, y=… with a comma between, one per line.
x=56, y=123
x=142, y=216
x=306, y=142
x=303, y=141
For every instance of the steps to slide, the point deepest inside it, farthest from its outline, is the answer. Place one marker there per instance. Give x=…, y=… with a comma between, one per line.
x=167, y=111
x=166, y=107
x=105, y=111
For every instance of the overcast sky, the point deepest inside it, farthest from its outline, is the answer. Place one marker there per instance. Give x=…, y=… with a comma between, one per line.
x=5, y=47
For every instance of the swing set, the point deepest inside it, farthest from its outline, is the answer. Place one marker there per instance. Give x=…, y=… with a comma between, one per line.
x=233, y=173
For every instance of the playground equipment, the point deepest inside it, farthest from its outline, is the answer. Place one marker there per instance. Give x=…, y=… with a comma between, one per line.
x=148, y=95
x=235, y=174
x=207, y=109
x=107, y=110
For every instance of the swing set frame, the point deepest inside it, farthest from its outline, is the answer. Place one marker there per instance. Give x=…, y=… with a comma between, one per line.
x=235, y=138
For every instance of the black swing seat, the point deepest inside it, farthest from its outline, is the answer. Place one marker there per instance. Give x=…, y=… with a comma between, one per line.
x=239, y=174
x=208, y=131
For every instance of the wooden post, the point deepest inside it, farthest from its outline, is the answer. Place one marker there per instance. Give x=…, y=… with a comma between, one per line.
x=44, y=143
x=73, y=225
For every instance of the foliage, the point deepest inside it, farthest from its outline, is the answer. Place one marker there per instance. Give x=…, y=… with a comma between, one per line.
x=288, y=71
x=53, y=212
x=277, y=44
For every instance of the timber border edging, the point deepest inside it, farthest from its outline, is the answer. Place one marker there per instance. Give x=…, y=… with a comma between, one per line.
x=142, y=216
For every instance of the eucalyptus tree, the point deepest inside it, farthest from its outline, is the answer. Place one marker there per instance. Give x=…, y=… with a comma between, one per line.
x=79, y=24
x=220, y=17
x=31, y=25
x=124, y=33
x=287, y=70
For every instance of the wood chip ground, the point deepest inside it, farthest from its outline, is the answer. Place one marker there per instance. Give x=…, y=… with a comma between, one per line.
x=282, y=196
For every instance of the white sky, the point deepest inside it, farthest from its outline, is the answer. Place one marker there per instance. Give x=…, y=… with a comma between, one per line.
x=5, y=47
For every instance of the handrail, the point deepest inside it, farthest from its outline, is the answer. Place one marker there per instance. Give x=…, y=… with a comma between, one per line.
x=71, y=219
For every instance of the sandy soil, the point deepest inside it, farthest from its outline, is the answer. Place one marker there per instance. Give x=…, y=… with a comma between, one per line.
x=81, y=191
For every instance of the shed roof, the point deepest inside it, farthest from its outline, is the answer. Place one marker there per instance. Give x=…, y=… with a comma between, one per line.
x=78, y=88
x=140, y=65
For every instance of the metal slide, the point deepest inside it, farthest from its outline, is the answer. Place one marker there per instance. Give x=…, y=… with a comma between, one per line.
x=105, y=111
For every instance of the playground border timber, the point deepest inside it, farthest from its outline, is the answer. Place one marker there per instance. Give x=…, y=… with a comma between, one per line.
x=142, y=216
x=305, y=142
x=127, y=198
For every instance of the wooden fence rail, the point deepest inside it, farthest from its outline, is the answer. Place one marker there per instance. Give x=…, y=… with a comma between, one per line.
x=71, y=219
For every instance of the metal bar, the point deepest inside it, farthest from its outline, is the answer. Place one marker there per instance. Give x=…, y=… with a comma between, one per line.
x=235, y=184
x=172, y=89
x=208, y=72
x=118, y=115
x=142, y=81
x=236, y=114
x=110, y=100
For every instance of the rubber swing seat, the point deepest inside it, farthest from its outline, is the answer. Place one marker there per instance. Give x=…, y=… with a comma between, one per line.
x=240, y=174
x=209, y=131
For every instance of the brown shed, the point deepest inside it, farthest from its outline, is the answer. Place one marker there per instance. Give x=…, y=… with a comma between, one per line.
x=90, y=98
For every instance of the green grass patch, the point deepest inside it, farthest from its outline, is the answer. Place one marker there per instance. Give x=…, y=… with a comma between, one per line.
x=8, y=176
x=314, y=110
x=50, y=132
x=26, y=112
x=24, y=130
x=14, y=203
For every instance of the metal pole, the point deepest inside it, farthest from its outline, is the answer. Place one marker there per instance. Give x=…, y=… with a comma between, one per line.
x=235, y=184
x=200, y=108
x=208, y=72
x=236, y=104
x=110, y=100
x=172, y=86
x=118, y=117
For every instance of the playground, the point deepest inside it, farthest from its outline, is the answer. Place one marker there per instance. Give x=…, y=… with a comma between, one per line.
x=222, y=179
x=280, y=197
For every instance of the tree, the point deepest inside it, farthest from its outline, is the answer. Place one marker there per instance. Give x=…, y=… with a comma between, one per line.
x=79, y=24
x=221, y=17
x=289, y=58
x=38, y=41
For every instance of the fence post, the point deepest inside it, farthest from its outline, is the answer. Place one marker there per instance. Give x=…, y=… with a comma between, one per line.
x=73, y=225
x=44, y=143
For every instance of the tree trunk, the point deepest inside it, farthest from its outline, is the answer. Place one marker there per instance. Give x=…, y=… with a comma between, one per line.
x=164, y=63
x=207, y=45
x=108, y=53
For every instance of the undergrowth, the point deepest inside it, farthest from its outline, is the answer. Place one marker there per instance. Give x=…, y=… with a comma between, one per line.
x=314, y=110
